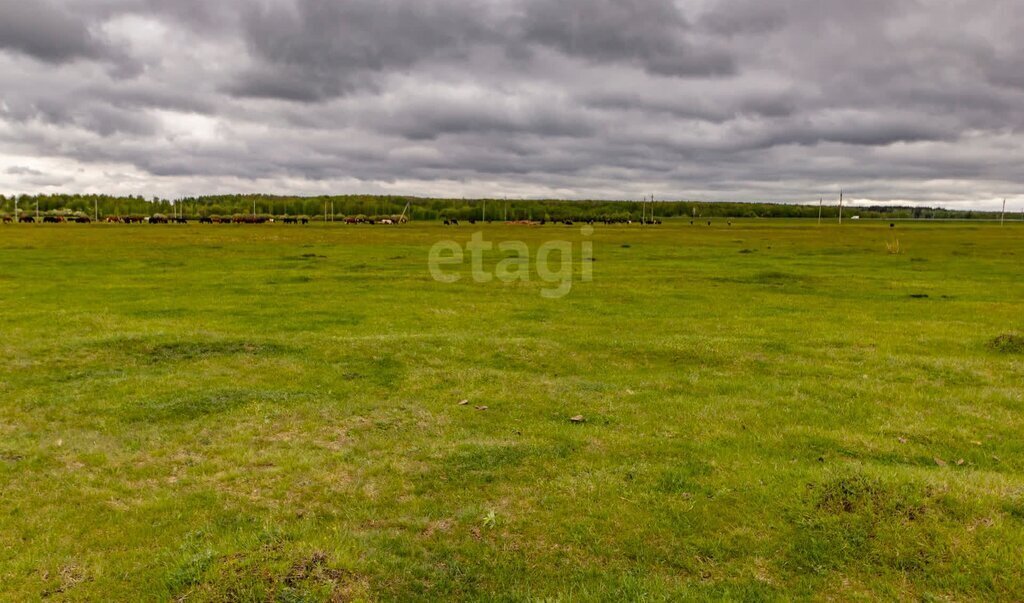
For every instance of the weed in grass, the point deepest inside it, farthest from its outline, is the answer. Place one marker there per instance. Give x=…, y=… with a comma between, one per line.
x=856, y=518
x=1008, y=343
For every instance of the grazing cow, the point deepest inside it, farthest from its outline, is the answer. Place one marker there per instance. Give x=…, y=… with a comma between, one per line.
x=291, y=221
x=83, y=220
x=387, y=221
x=892, y=225
x=305, y=220
x=26, y=219
x=351, y=220
x=206, y=220
x=709, y=222
x=112, y=220
x=8, y=219
x=52, y=220
x=158, y=219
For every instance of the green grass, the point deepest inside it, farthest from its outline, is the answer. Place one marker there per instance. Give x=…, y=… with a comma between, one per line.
x=773, y=410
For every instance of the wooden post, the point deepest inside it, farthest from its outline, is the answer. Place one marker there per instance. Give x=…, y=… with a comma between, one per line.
x=840, y=206
x=821, y=201
x=1002, y=216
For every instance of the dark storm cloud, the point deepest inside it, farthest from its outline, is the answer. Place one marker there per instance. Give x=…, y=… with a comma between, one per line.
x=316, y=49
x=42, y=30
x=651, y=33
x=723, y=99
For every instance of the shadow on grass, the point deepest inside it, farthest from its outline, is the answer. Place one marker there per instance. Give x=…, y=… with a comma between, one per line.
x=154, y=351
x=187, y=406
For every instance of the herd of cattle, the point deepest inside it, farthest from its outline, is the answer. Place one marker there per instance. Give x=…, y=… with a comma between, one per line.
x=259, y=219
x=589, y=222
x=156, y=219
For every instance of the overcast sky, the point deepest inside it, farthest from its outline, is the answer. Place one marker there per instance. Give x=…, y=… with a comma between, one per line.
x=779, y=100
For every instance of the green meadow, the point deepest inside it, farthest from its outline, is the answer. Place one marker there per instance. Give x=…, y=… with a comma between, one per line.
x=770, y=410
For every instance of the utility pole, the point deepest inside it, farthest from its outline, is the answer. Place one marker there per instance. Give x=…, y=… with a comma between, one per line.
x=1002, y=216
x=840, y=206
x=483, y=215
x=821, y=201
x=96, y=209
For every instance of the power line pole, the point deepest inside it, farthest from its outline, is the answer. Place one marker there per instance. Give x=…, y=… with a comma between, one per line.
x=840, y=206
x=1002, y=216
x=821, y=201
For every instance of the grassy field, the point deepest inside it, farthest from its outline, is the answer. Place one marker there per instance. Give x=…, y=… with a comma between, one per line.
x=772, y=410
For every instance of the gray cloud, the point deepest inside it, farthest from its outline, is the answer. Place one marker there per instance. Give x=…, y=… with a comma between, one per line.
x=916, y=100
x=651, y=33
x=45, y=32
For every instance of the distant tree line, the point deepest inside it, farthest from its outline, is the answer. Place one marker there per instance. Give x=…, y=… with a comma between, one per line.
x=438, y=209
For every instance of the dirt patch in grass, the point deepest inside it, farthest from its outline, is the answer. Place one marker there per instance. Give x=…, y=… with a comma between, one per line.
x=1008, y=343
x=300, y=279
x=863, y=520
x=10, y=457
x=267, y=573
x=771, y=278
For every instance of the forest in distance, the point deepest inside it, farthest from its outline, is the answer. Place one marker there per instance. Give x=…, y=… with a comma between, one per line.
x=424, y=208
